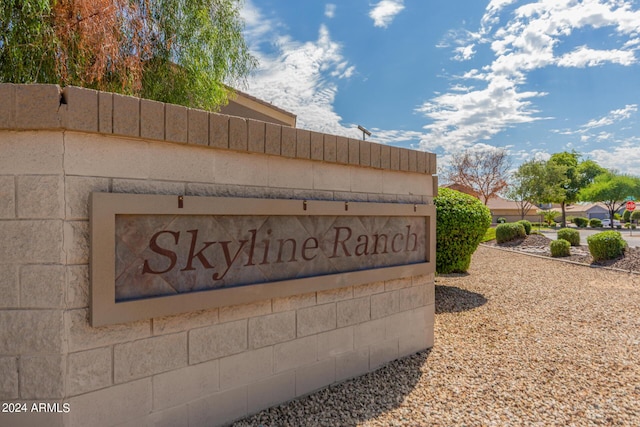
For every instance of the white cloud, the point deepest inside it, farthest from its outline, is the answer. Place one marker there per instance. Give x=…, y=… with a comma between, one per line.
x=526, y=39
x=614, y=116
x=624, y=157
x=586, y=57
x=385, y=11
x=330, y=10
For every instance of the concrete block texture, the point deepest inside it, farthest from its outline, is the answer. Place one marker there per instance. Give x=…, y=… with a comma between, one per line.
x=353, y=311
x=271, y=391
x=303, y=144
x=176, y=123
x=216, y=341
x=293, y=302
x=126, y=115
x=77, y=191
x=42, y=286
x=218, y=130
x=354, y=151
x=330, y=148
x=149, y=356
x=128, y=401
x=81, y=336
x=313, y=377
x=37, y=106
x=77, y=286
x=31, y=332
x=383, y=353
x=384, y=304
x=256, y=136
x=273, y=138
x=105, y=112
x=9, y=378
x=81, y=109
x=152, y=119
x=10, y=286
x=365, y=153
x=246, y=368
x=313, y=320
x=76, y=242
x=40, y=196
x=197, y=127
x=352, y=364
x=42, y=377
x=296, y=353
x=7, y=197
x=317, y=146
x=89, y=370
x=272, y=329
x=238, y=134
x=185, y=385
x=7, y=107
x=31, y=241
x=218, y=409
x=185, y=321
x=333, y=343
x=288, y=143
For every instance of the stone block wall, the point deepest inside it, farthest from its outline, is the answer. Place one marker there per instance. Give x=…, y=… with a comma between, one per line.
x=202, y=368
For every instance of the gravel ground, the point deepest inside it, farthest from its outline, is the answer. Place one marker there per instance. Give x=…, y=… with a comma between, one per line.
x=520, y=341
x=540, y=245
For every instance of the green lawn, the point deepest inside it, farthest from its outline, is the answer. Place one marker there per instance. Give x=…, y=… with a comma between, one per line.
x=489, y=235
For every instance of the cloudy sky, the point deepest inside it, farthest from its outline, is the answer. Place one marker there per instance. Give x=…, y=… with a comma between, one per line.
x=535, y=77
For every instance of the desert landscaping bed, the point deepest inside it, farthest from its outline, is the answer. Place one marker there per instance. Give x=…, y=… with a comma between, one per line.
x=520, y=341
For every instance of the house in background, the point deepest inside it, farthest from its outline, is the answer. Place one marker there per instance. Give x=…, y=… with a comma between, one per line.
x=590, y=210
x=500, y=207
x=244, y=105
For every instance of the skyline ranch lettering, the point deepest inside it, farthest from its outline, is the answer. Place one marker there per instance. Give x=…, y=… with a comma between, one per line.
x=168, y=254
x=344, y=243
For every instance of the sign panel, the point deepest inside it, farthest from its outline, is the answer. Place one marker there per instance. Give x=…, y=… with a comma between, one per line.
x=158, y=255
x=631, y=206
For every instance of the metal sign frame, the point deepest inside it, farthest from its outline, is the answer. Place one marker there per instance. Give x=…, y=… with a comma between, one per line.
x=104, y=310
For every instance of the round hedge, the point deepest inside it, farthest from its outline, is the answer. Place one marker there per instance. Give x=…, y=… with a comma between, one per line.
x=595, y=223
x=527, y=225
x=560, y=248
x=570, y=235
x=462, y=221
x=510, y=231
x=606, y=245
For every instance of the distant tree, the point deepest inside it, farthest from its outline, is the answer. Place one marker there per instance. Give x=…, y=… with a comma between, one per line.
x=527, y=186
x=485, y=171
x=168, y=50
x=577, y=175
x=611, y=189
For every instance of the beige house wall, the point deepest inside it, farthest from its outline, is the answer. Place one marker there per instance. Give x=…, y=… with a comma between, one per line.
x=203, y=368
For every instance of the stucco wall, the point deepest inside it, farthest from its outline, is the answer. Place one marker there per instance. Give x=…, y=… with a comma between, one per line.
x=203, y=368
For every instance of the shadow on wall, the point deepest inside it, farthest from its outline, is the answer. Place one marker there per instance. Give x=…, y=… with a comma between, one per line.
x=349, y=403
x=450, y=299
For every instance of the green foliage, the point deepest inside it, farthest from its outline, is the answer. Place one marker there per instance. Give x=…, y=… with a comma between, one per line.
x=174, y=51
x=549, y=216
x=580, y=222
x=570, y=235
x=626, y=216
x=527, y=226
x=635, y=215
x=462, y=221
x=595, y=223
x=509, y=231
x=26, y=39
x=501, y=220
x=611, y=189
x=489, y=235
x=606, y=245
x=560, y=248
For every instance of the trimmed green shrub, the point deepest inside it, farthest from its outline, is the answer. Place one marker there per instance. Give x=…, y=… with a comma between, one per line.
x=560, y=248
x=501, y=220
x=570, y=235
x=509, y=231
x=626, y=215
x=462, y=221
x=635, y=215
x=595, y=223
x=606, y=245
x=527, y=226
x=580, y=222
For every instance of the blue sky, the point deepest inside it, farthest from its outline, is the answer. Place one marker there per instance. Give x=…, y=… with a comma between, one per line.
x=535, y=77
